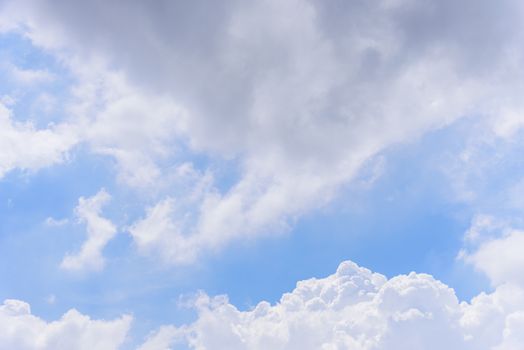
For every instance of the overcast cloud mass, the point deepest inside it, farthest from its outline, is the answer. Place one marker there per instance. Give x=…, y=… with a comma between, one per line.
x=172, y=135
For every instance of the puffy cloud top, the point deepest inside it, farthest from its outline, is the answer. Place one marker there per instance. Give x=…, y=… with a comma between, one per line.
x=21, y=330
x=357, y=309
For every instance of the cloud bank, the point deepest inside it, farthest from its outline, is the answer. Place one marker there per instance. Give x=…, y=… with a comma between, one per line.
x=21, y=330
x=352, y=309
x=357, y=309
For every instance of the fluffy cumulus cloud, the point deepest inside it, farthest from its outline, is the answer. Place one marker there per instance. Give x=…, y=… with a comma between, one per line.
x=357, y=309
x=298, y=93
x=21, y=330
x=99, y=231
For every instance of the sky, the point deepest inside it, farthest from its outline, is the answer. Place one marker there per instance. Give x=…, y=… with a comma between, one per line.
x=295, y=174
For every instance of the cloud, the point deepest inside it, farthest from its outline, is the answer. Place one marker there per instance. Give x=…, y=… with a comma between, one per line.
x=25, y=147
x=500, y=258
x=52, y=222
x=161, y=339
x=481, y=226
x=490, y=171
x=21, y=330
x=357, y=309
x=136, y=128
x=298, y=94
x=157, y=233
x=99, y=231
x=29, y=76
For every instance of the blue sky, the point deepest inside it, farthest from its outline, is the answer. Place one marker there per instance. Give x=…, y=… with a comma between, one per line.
x=149, y=169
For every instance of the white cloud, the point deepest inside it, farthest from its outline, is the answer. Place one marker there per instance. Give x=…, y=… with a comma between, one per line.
x=300, y=94
x=25, y=147
x=161, y=339
x=99, y=232
x=157, y=233
x=509, y=123
x=29, y=76
x=21, y=330
x=501, y=258
x=357, y=309
x=513, y=335
x=482, y=227
x=136, y=128
x=52, y=222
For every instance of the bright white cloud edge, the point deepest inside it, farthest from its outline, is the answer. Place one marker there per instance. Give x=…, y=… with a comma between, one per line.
x=357, y=309
x=21, y=330
x=352, y=309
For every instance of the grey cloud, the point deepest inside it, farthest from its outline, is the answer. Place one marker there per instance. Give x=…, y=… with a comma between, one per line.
x=301, y=92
